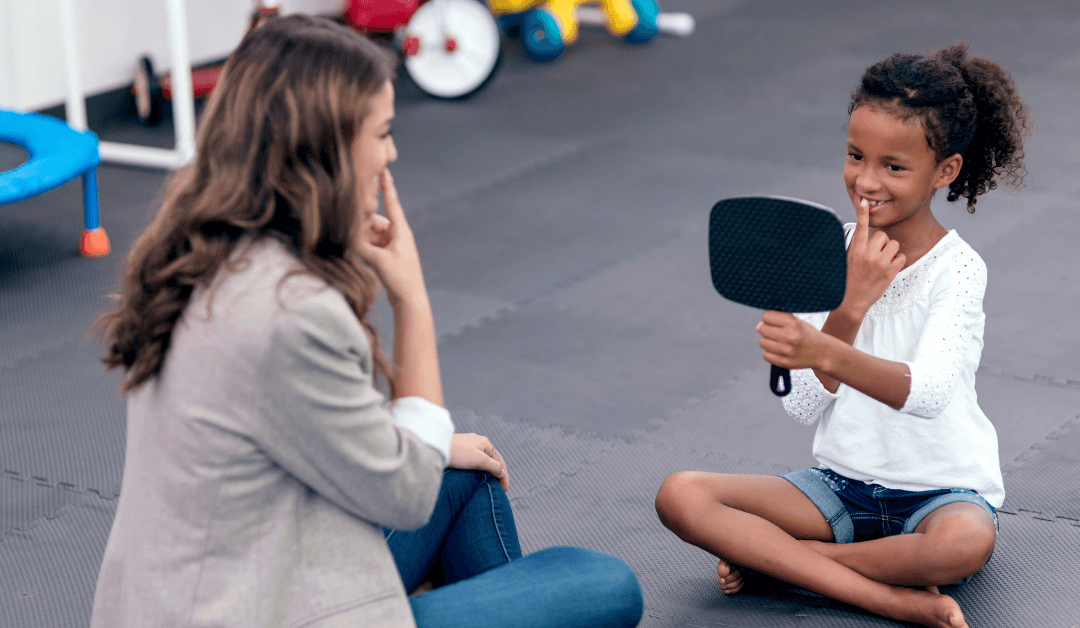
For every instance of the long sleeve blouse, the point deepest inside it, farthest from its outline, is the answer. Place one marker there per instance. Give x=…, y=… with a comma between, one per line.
x=931, y=319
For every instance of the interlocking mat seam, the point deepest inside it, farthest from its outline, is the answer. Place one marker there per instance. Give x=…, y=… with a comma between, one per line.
x=60, y=486
x=1012, y=466
x=36, y=480
x=1038, y=379
x=1038, y=516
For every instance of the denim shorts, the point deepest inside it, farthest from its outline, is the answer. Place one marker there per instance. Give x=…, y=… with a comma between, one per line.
x=858, y=511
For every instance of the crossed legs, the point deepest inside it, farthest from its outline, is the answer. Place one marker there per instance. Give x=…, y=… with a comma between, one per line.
x=766, y=524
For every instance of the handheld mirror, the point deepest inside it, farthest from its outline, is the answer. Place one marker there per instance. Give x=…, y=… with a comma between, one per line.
x=777, y=253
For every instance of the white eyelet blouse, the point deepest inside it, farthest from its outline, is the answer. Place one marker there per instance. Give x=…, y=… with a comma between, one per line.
x=931, y=319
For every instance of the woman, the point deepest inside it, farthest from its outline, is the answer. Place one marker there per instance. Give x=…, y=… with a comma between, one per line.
x=264, y=469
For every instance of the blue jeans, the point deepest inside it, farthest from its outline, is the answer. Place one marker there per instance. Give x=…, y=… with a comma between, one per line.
x=469, y=548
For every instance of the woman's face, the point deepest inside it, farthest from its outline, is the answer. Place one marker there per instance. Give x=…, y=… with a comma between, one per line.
x=373, y=149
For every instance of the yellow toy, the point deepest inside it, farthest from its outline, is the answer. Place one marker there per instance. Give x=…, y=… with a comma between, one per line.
x=546, y=28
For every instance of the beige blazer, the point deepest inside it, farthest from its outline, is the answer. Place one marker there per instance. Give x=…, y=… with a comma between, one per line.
x=259, y=466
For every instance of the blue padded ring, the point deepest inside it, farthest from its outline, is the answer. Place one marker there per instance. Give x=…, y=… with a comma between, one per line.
x=58, y=153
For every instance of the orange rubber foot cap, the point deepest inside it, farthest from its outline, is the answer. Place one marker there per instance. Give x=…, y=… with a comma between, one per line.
x=94, y=243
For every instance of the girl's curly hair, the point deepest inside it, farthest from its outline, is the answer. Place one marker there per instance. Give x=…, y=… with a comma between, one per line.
x=968, y=106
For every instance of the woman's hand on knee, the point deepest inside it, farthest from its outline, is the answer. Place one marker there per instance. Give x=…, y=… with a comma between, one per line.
x=475, y=452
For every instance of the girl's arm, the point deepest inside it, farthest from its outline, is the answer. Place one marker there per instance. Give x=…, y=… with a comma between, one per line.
x=793, y=343
x=922, y=386
x=842, y=324
x=872, y=263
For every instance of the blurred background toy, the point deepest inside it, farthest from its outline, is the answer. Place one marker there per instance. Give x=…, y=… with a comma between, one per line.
x=546, y=28
x=451, y=48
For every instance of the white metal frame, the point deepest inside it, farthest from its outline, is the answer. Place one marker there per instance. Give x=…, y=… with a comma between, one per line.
x=183, y=99
x=678, y=24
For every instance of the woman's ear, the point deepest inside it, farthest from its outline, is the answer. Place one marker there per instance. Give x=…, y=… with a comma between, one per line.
x=947, y=170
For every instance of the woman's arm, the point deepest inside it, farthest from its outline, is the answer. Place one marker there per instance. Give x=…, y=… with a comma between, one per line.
x=323, y=420
x=387, y=245
x=416, y=354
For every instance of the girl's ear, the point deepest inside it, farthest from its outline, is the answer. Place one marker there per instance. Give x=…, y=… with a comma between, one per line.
x=948, y=170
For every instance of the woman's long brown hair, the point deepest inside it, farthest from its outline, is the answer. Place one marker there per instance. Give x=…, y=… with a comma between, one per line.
x=272, y=160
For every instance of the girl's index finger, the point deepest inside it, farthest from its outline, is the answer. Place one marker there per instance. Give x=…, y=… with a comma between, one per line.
x=862, y=222
x=391, y=202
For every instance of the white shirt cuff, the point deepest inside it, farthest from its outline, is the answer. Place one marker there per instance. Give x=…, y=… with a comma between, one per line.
x=430, y=422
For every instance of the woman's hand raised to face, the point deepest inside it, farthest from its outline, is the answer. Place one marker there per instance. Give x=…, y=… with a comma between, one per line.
x=475, y=452
x=387, y=246
x=873, y=262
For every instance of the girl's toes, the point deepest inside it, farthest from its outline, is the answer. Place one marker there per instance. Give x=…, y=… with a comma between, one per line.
x=731, y=588
x=729, y=578
x=726, y=570
x=722, y=570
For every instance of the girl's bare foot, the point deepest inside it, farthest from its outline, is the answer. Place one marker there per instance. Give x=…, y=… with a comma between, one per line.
x=930, y=608
x=729, y=577
x=927, y=607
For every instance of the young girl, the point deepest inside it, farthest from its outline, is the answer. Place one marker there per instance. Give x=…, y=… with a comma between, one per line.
x=264, y=475
x=909, y=478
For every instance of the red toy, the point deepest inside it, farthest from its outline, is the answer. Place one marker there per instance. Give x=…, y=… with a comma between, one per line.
x=380, y=15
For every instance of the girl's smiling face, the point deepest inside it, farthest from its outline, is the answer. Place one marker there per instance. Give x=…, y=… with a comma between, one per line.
x=373, y=149
x=891, y=165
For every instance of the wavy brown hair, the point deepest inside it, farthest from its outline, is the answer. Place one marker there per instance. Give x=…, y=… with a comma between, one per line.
x=968, y=106
x=272, y=161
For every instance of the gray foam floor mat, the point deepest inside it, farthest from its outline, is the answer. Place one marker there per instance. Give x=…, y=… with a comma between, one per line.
x=1046, y=483
x=554, y=367
x=561, y=215
x=50, y=568
x=67, y=430
x=1025, y=411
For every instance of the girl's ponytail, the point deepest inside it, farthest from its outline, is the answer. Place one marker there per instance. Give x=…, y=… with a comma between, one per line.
x=996, y=151
x=968, y=106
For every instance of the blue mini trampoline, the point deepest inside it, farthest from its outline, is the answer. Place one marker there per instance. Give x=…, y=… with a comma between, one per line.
x=58, y=153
